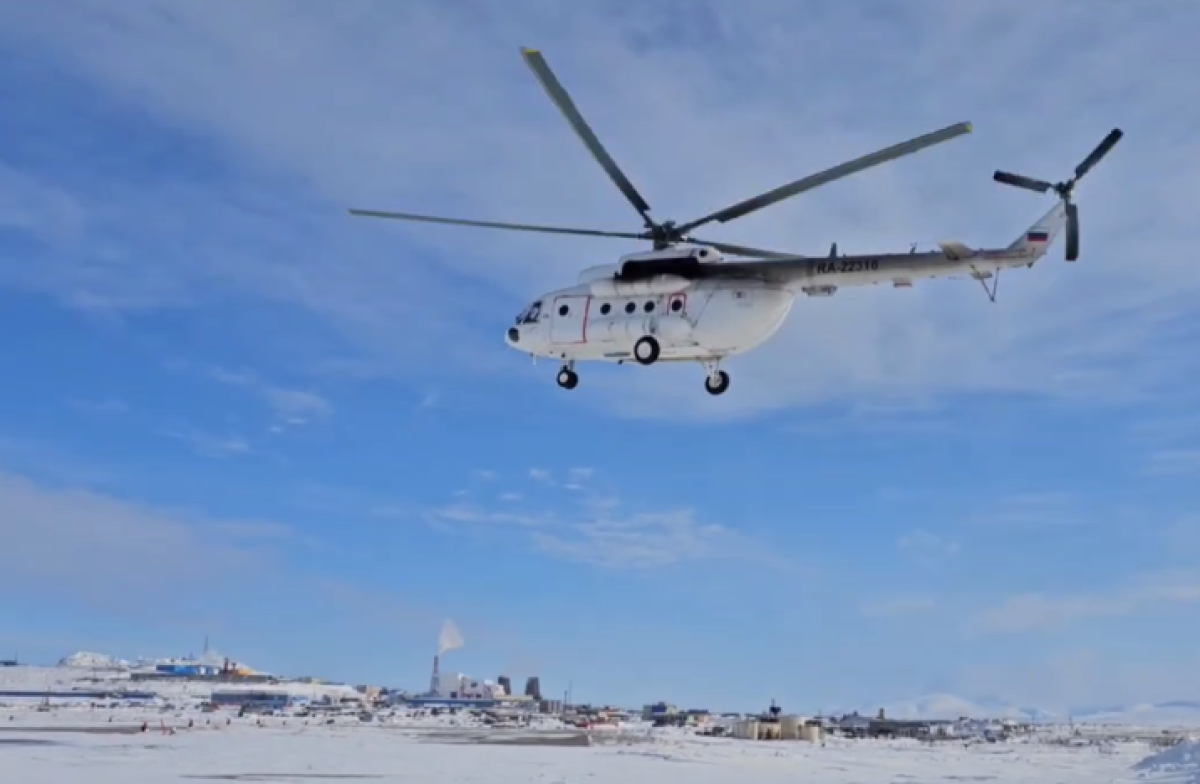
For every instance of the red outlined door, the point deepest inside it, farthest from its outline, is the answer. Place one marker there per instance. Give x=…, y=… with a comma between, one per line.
x=568, y=318
x=677, y=304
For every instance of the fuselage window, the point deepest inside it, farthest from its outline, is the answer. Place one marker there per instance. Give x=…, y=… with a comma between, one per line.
x=605, y=309
x=677, y=306
x=649, y=307
x=630, y=307
x=563, y=310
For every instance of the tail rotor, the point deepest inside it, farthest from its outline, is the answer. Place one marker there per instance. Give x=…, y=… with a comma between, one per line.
x=1065, y=190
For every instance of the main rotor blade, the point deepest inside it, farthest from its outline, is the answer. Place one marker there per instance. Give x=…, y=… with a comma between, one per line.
x=408, y=216
x=1101, y=150
x=533, y=58
x=1021, y=181
x=743, y=250
x=829, y=175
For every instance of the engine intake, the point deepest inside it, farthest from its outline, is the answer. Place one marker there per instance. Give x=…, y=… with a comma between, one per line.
x=688, y=268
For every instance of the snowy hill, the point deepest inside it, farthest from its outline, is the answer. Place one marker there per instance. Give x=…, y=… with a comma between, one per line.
x=949, y=706
x=1180, y=713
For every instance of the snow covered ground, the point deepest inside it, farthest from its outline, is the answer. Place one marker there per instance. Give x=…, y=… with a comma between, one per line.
x=57, y=747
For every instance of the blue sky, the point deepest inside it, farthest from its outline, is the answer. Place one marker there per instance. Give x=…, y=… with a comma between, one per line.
x=229, y=409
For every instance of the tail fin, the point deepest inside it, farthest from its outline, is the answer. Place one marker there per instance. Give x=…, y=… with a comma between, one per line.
x=1038, y=238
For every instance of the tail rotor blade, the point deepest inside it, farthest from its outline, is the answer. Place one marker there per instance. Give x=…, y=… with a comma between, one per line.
x=1021, y=181
x=1098, y=154
x=1072, y=231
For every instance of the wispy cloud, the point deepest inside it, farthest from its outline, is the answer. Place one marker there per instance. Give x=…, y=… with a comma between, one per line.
x=1098, y=332
x=600, y=530
x=210, y=445
x=637, y=540
x=1037, y=510
x=291, y=407
x=1039, y=612
x=472, y=514
x=926, y=549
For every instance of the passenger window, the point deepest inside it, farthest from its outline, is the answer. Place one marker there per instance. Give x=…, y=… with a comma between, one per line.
x=630, y=307
x=649, y=307
x=563, y=310
x=605, y=309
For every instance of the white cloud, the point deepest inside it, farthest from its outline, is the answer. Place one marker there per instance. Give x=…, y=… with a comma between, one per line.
x=386, y=113
x=291, y=407
x=210, y=445
x=472, y=514
x=540, y=475
x=1039, y=612
x=636, y=540
x=926, y=548
x=601, y=531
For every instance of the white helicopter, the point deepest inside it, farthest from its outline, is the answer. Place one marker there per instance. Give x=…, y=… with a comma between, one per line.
x=684, y=301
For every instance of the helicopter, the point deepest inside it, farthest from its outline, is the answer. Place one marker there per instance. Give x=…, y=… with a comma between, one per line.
x=694, y=300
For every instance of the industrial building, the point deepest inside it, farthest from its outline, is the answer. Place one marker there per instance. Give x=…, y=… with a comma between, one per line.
x=455, y=690
x=257, y=699
x=188, y=670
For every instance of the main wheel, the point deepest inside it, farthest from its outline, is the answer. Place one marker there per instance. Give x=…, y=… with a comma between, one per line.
x=718, y=385
x=567, y=378
x=646, y=350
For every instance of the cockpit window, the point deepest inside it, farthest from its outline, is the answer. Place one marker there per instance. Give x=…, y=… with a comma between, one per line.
x=531, y=314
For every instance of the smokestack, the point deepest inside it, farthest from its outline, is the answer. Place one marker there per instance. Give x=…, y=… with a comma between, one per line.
x=505, y=684
x=433, y=680
x=533, y=688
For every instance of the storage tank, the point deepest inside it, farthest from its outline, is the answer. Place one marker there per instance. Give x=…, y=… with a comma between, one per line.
x=748, y=729
x=811, y=733
x=789, y=727
x=769, y=730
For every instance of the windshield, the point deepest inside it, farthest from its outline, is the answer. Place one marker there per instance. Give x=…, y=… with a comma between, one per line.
x=530, y=314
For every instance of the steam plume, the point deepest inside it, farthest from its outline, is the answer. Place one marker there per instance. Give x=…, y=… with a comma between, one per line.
x=450, y=639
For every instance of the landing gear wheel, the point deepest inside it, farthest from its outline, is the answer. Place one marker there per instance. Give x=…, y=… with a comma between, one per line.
x=646, y=350
x=567, y=378
x=716, y=385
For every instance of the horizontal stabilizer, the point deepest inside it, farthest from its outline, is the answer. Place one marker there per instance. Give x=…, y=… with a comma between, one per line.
x=956, y=251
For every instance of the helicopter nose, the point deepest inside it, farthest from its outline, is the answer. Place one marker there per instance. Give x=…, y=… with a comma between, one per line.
x=514, y=335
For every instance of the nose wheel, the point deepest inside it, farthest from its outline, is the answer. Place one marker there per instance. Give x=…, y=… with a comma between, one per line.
x=567, y=378
x=717, y=383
